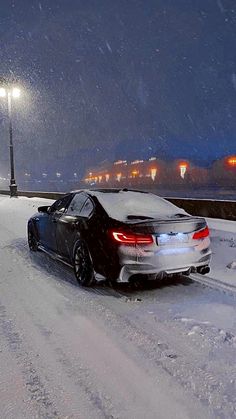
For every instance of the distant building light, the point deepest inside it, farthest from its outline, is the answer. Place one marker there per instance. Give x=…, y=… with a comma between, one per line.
x=75, y=175
x=183, y=169
x=58, y=174
x=232, y=161
x=152, y=158
x=120, y=162
x=135, y=173
x=137, y=161
x=90, y=174
x=107, y=177
x=99, y=179
x=153, y=172
x=118, y=177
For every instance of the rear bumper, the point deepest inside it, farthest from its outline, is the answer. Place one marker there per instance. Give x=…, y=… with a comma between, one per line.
x=128, y=271
x=162, y=262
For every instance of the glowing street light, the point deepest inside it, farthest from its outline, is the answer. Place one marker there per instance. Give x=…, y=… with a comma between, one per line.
x=10, y=92
x=15, y=92
x=3, y=92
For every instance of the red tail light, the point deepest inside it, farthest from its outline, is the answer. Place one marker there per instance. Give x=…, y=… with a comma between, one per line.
x=202, y=234
x=129, y=238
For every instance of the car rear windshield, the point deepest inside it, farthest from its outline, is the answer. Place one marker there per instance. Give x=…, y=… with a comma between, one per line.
x=128, y=205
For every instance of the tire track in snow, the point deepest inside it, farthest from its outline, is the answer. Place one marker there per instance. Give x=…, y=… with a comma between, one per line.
x=180, y=360
x=214, y=283
x=36, y=390
x=202, y=383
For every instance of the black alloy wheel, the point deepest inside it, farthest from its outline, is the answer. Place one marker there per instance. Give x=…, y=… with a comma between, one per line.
x=83, y=265
x=32, y=242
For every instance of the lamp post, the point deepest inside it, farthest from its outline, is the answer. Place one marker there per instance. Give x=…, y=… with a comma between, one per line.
x=10, y=92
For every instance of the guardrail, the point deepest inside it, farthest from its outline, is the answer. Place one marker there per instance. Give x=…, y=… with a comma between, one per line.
x=202, y=207
x=39, y=194
x=207, y=208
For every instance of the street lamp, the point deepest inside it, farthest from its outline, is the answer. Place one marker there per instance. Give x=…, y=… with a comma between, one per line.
x=10, y=92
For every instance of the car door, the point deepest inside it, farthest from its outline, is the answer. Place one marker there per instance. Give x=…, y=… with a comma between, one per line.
x=42, y=225
x=72, y=223
x=48, y=227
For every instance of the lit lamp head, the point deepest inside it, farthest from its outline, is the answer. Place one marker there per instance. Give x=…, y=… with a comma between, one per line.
x=3, y=92
x=15, y=92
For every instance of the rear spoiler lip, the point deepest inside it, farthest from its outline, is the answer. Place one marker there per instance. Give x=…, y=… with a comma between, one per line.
x=188, y=219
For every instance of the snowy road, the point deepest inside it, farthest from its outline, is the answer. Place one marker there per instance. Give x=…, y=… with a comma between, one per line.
x=69, y=352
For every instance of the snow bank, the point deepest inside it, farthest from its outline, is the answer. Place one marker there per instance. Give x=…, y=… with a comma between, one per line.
x=222, y=225
x=15, y=212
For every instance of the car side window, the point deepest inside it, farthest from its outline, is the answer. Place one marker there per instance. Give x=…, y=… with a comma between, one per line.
x=87, y=209
x=61, y=204
x=77, y=204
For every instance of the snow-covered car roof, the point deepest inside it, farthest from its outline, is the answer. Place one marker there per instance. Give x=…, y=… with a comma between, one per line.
x=123, y=204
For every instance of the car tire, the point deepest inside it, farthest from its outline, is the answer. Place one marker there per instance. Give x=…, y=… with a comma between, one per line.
x=32, y=241
x=83, y=265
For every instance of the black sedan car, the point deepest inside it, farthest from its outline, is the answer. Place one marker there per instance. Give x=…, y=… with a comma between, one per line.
x=118, y=233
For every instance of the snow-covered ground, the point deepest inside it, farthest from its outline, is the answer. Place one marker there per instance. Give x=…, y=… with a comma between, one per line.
x=68, y=352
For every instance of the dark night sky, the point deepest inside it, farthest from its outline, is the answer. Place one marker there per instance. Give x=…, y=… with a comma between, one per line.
x=119, y=79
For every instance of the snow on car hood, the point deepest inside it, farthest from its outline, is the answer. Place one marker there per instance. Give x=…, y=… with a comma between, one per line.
x=124, y=204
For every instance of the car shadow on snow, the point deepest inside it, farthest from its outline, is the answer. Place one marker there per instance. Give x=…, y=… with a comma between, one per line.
x=53, y=268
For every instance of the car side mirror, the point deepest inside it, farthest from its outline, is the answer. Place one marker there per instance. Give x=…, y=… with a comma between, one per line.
x=44, y=209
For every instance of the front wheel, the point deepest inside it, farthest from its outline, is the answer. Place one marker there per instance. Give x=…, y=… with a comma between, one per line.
x=32, y=242
x=83, y=265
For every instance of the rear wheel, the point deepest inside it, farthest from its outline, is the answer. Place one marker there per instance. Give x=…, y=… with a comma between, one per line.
x=83, y=265
x=32, y=241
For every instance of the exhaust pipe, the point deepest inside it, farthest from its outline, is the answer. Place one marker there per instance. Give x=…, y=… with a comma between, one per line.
x=203, y=270
x=161, y=276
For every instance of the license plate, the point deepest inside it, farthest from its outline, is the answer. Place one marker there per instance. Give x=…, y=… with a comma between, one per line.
x=170, y=239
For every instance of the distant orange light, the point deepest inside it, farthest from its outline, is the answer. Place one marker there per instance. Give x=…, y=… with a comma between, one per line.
x=134, y=172
x=183, y=168
x=183, y=165
x=153, y=173
x=232, y=161
x=118, y=176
